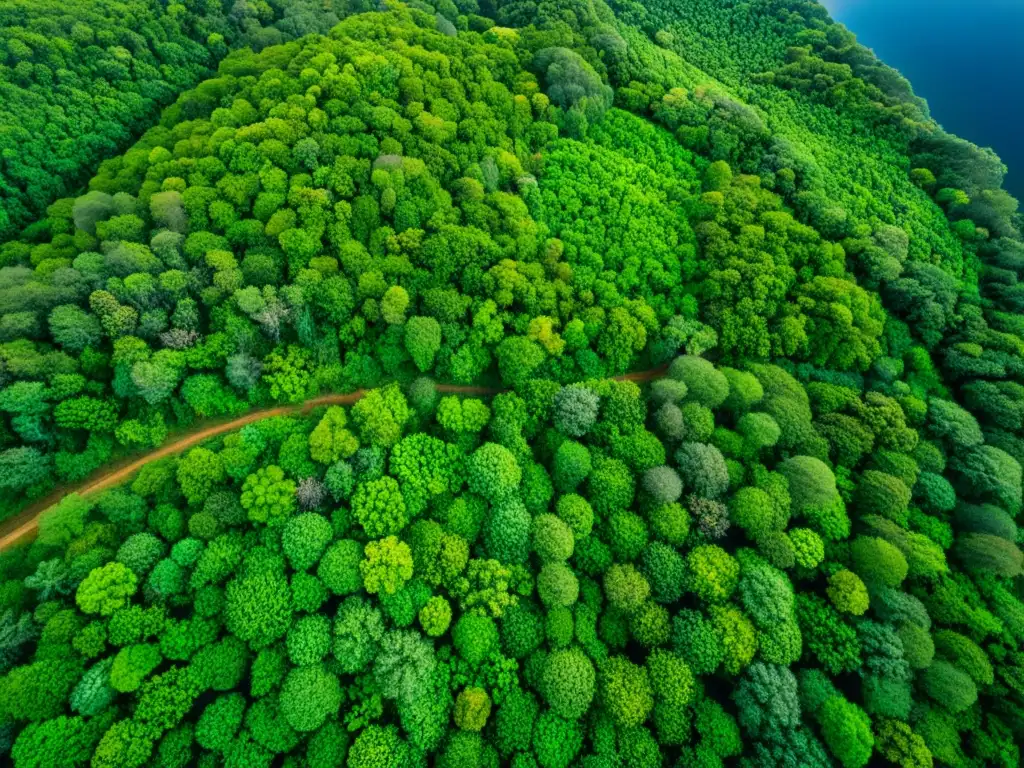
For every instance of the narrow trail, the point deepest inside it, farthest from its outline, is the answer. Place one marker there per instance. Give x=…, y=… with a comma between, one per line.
x=24, y=525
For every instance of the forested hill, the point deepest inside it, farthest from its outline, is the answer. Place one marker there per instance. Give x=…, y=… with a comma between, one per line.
x=81, y=79
x=798, y=548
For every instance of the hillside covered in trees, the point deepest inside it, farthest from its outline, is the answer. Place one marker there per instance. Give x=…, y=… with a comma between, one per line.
x=790, y=542
x=79, y=80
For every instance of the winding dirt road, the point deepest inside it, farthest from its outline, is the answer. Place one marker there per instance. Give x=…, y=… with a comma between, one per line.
x=24, y=525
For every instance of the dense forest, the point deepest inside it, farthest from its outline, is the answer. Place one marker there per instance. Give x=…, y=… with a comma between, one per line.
x=787, y=539
x=80, y=79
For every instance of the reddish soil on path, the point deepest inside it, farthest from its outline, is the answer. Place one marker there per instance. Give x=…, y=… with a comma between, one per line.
x=24, y=525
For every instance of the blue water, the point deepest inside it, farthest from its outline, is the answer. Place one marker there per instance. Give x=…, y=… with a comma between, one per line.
x=966, y=57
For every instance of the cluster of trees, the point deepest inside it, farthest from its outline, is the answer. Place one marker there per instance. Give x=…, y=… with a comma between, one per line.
x=363, y=213
x=80, y=80
x=797, y=548
x=330, y=214
x=565, y=574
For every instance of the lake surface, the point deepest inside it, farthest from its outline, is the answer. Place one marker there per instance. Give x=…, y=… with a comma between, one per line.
x=966, y=57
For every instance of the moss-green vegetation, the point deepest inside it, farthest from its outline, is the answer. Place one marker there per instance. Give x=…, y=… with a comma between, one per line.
x=797, y=547
x=79, y=80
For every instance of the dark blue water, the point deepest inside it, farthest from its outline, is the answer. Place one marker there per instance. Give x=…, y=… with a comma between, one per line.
x=966, y=57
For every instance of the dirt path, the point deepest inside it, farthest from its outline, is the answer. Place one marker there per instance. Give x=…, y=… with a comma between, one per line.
x=24, y=525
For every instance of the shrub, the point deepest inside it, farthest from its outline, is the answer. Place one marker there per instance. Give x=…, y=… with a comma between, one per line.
x=435, y=616
x=665, y=570
x=572, y=465
x=811, y=483
x=704, y=383
x=552, y=539
x=662, y=484
x=339, y=568
x=670, y=523
x=557, y=585
x=309, y=696
x=702, y=469
x=625, y=691
x=752, y=510
x=576, y=513
x=567, y=683
x=847, y=592
x=877, y=561
x=304, y=539
x=493, y=471
x=883, y=495
x=625, y=587
x=472, y=708
x=575, y=410
x=847, y=731
x=387, y=565
x=712, y=573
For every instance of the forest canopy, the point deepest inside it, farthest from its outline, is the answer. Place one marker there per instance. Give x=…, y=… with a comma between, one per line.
x=79, y=80
x=687, y=392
